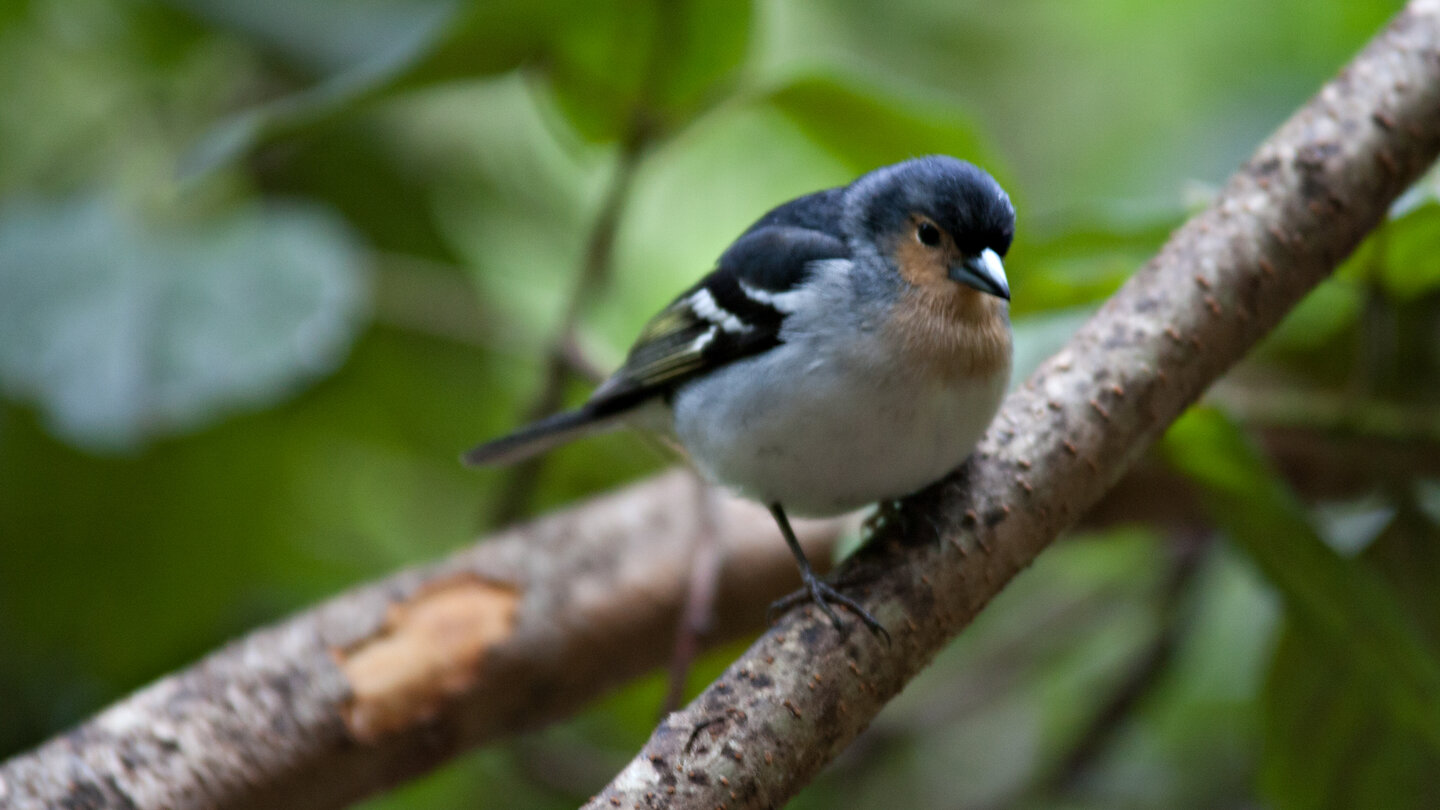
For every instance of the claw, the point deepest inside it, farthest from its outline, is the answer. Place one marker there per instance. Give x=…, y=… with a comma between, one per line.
x=822, y=593
x=825, y=595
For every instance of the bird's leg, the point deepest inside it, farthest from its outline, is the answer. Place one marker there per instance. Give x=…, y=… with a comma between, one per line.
x=821, y=591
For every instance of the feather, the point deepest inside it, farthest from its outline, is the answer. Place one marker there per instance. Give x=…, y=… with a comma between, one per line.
x=734, y=312
x=533, y=439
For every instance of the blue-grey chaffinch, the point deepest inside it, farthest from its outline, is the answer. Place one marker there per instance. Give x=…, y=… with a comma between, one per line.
x=851, y=346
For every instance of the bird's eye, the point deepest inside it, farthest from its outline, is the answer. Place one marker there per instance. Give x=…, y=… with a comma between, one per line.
x=928, y=234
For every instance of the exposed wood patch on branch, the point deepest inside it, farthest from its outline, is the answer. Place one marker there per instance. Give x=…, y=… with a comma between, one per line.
x=262, y=722
x=431, y=650
x=312, y=724
x=384, y=682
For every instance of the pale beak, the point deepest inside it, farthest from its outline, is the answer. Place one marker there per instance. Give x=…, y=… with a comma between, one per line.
x=984, y=272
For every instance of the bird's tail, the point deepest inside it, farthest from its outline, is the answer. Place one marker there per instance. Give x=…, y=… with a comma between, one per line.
x=538, y=437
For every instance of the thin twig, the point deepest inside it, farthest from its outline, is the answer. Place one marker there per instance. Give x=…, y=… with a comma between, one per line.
x=594, y=274
x=699, y=614
x=278, y=719
x=642, y=132
x=1145, y=672
x=997, y=672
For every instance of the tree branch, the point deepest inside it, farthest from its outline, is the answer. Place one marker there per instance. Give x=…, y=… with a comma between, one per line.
x=384, y=682
x=280, y=692
x=381, y=683
x=1282, y=223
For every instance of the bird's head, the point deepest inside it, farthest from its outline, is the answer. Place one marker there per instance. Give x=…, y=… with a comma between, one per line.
x=940, y=221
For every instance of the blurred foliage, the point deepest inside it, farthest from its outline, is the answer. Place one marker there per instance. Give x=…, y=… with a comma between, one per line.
x=122, y=332
x=1364, y=652
x=1334, y=740
x=267, y=267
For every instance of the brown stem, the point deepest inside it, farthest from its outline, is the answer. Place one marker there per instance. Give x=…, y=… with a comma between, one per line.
x=699, y=612
x=594, y=273
x=565, y=357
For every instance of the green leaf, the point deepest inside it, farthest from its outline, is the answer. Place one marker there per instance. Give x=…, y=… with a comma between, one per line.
x=602, y=60
x=379, y=41
x=705, y=42
x=385, y=47
x=868, y=126
x=1083, y=261
x=121, y=331
x=1321, y=317
x=660, y=59
x=1405, y=249
x=332, y=37
x=1339, y=605
x=369, y=182
x=1329, y=742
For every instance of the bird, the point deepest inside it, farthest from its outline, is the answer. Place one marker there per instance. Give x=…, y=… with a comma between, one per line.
x=851, y=346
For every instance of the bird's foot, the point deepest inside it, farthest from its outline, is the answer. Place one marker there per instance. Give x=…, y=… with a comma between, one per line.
x=824, y=595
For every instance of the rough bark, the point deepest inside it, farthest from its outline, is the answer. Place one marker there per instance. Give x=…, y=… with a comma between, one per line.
x=1281, y=224
x=381, y=683
x=359, y=693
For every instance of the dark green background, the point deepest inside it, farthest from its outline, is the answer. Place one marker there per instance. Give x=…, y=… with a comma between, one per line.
x=267, y=267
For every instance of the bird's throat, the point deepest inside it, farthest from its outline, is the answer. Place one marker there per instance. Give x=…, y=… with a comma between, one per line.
x=954, y=331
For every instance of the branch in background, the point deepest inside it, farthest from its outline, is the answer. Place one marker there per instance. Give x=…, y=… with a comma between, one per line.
x=434, y=299
x=1321, y=464
x=349, y=698
x=592, y=595
x=381, y=683
x=699, y=612
x=1000, y=670
x=1290, y=215
x=995, y=674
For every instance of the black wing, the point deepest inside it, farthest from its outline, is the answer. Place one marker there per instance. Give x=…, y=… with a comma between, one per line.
x=734, y=312
x=819, y=211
